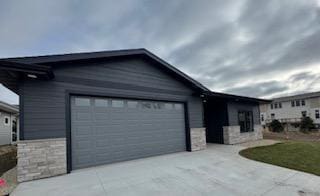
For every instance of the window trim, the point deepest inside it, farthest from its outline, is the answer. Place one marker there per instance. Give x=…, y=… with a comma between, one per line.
x=4, y=121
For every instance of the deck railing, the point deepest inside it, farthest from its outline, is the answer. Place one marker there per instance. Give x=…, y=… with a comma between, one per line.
x=285, y=120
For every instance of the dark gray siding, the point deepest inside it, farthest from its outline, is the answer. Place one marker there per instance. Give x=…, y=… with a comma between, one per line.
x=44, y=101
x=234, y=107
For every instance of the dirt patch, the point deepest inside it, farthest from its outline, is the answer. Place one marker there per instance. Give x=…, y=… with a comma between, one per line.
x=293, y=135
x=264, y=142
x=8, y=158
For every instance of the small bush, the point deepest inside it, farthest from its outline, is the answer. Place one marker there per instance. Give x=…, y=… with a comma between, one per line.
x=276, y=126
x=306, y=124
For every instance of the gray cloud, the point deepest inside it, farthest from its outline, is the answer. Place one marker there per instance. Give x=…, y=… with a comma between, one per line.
x=247, y=47
x=258, y=89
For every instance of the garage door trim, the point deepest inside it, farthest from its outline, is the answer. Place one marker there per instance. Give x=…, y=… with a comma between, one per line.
x=70, y=93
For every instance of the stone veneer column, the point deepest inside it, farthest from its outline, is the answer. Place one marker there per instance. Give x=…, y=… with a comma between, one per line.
x=232, y=134
x=198, y=139
x=41, y=158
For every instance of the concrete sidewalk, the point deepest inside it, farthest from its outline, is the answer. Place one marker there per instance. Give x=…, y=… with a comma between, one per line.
x=219, y=170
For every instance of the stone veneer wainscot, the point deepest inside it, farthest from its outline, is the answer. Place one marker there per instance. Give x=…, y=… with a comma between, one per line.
x=41, y=158
x=232, y=134
x=198, y=139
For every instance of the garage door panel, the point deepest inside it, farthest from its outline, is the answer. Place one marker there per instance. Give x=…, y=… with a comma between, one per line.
x=83, y=116
x=83, y=130
x=83, y=160
x=108, y=130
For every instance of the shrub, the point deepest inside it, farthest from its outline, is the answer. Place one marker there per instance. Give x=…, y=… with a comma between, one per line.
x=276, y=126
x=306, y=124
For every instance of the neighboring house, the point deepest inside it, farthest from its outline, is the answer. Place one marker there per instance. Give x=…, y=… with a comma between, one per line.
x=292, y=108
x=87, y=109
x=9, y=119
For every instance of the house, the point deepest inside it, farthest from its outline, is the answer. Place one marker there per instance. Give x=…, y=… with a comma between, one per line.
x=87, y=109
x=291, y=109
x=9, y=119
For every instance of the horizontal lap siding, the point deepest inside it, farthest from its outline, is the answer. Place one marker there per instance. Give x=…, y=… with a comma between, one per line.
x=44, y=101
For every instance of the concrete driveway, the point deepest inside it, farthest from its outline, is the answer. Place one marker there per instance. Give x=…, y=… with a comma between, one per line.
x=219, y=170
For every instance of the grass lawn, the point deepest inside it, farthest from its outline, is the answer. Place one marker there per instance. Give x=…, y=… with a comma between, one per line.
x=302, y=156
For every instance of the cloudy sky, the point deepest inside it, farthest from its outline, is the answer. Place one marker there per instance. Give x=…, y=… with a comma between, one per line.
x=255, y=48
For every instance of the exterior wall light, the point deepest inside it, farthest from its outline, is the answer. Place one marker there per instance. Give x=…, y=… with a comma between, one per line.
x=32, y=76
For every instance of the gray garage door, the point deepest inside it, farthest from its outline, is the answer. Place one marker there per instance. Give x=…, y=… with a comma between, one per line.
x=106, y=130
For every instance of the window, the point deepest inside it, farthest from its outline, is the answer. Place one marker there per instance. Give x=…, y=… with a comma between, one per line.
x=271, y=106
x=276, y=105
x=317, y=115
x=297, y=102
x=178, y=106
x=280, y=105
x=132, y=104
x=304, y=114
x=292, y=103
x=6, y=121
x=82, y=101
x=303, y=102
x=168, y=106
x=14, y=130
x=245, y=121
x=262, y=117
x=117, y=103
x=158, y=105
x=101, y=102
x=272, y=116
x=146, y=105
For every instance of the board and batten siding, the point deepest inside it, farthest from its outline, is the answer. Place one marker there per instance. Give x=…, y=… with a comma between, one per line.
x=44, y=101
x=234, y=107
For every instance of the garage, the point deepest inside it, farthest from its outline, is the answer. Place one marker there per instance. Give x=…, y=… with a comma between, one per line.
x=89, y=109
x=107, y=130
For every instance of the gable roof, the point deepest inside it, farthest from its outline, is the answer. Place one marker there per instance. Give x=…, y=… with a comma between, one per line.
x=39, y=64
x=42, y=67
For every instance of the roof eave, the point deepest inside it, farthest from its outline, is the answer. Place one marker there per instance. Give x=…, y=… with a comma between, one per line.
x=211, y=94
x=40, y=71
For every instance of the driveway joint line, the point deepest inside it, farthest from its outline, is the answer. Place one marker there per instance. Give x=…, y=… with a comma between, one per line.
x=100, y=181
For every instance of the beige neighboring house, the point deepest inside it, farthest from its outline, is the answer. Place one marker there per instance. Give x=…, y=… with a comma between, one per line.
x=9, y=123
x=291, y=109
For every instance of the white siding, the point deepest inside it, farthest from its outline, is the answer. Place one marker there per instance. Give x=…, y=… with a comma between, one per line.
x=5, y=130
x=289, y=112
